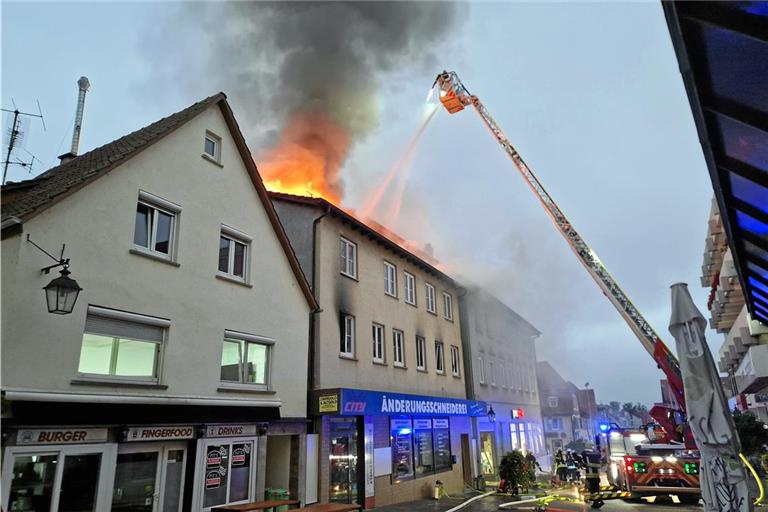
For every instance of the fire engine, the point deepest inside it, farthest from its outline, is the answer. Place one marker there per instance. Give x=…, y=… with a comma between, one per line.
x=643, y=468
x=657, y=457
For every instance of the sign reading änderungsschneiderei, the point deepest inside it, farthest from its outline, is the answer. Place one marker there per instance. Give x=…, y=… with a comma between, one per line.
x=359, y=402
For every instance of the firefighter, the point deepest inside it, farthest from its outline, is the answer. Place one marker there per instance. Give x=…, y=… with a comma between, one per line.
x=592, y=461
x=560, y=469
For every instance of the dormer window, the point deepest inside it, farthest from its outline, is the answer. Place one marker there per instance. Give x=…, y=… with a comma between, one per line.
x=212, y=147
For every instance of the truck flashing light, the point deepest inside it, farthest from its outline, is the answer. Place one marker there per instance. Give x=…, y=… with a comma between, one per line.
x=604, y=427
x=640, y=467
x=691, y=468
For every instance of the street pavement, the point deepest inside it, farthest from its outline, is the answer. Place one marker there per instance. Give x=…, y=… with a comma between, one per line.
x=491, y=503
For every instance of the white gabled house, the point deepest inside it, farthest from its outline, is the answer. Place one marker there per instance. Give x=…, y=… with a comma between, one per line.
x=179, y=381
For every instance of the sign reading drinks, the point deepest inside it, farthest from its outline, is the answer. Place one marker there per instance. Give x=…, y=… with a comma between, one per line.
x=170, y=433
x=230, y=430
x=61, y=436
x=358, y=402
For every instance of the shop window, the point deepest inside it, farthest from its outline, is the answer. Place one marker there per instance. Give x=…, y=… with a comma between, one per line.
x=401, y=433
x=424, y=445
x=120, y=345
x=227, y=473
x=441, y=432
x=245, y=358
x=513, y=435
x=32, y=483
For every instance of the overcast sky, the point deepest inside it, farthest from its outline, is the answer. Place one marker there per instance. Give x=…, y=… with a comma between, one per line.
x=590, y=95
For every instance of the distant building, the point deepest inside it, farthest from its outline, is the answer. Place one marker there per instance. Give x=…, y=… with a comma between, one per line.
x=500, y=363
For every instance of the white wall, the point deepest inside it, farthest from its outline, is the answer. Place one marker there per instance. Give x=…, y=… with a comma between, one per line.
x=40, y=351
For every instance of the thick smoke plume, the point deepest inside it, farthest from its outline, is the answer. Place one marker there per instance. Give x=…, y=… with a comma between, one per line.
x=308, y=73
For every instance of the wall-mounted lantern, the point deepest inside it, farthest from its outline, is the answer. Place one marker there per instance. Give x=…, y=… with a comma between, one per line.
x=491, y=413
x=62, y=292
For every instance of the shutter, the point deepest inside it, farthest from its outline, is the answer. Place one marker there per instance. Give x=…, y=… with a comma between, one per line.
x=118, y=328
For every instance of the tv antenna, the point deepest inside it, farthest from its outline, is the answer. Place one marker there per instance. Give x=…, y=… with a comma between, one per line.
x=16, y=136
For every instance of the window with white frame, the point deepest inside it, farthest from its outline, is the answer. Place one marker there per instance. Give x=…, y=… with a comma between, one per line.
x=552, y=401
x=455, y=369
x=504, y=375
x=430, y=298
x=121, y=345
x=491, y=373
x=398, y=348
x=554, y=424
x=448, y=306
x=245, y=358
x=155, y=228
x=377, y=335
x=233, y=253
x=480, y=370
x=439, y=357
x=212, y=147
x=348, y=253
x=410, y=288
x=347, y=341
x=390, y=279
x=421, y=353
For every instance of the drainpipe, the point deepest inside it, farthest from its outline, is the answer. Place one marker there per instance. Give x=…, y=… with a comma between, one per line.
x=312, y=317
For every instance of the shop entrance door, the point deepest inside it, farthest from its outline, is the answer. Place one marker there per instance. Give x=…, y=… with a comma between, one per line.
x=57, y=478
x=149, y=477
x=487, y=454
x=343, y=460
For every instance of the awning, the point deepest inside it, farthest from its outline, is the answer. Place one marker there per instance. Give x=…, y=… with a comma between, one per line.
x=722, y=50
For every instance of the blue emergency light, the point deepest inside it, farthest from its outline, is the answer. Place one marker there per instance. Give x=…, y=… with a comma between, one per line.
x=604, y=427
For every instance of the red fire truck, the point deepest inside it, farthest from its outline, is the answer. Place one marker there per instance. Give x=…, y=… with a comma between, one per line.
x=645, y=468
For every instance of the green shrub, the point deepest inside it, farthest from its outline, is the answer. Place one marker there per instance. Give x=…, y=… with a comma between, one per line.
x=514, y=469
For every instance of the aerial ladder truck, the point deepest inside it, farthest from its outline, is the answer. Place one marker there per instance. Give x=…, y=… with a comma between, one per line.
x=631, y=465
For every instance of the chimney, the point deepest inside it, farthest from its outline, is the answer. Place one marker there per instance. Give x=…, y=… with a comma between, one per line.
x=83, y=84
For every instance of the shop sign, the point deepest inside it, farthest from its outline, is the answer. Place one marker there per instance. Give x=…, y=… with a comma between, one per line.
x=422, y=424
x=358, y=402
x=240, y=455
x=61, y=436
x=517, y=414
x=440, y=423
x=230, y=430
x=328, y=403
x=170, y=433
x=214, y=455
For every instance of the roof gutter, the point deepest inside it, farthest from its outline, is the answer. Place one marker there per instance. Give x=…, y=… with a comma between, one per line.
x=10, y=226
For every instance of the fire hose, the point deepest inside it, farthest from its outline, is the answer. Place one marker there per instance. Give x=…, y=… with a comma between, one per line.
x=759, y=499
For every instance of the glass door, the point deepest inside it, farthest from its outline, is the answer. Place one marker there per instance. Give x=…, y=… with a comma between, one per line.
x=343, y=460
x=149, y=478
x=57, y=478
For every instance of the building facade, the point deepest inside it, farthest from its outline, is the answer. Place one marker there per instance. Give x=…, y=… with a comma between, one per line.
x=743, y=355
x=174, y=381
x=500, y=352
x=388, y=392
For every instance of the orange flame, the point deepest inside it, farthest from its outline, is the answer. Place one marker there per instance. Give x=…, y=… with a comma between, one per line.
x=308, y=157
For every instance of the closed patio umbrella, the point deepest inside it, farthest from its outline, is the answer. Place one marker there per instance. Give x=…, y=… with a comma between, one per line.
x=723, y=479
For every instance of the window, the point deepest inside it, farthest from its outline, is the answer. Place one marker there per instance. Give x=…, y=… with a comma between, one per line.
x=398, y=347
x=420, y=447
x=554, y=424
x=154, y=231
x=390, y=279
x=455, y=361
x=439, y=357
x=504, y=374
x=347, y=342
x=552, y=401
x=401, y=434
x=448, y=305
x=227, y=471
x=421, y=353
x=410, y=288
x=378, y=343
x=491, y=373
x=120, y=345
x=348, y=258
x=212, y=147
x=480, y=370
x=431, y=298
x=233, y=254
x=245, y=358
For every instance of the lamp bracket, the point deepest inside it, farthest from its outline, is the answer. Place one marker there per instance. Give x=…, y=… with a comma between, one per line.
x=60, y=261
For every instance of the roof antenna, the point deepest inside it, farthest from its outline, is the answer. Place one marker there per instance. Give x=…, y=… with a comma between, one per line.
x=83, y=84
x=16, y=133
